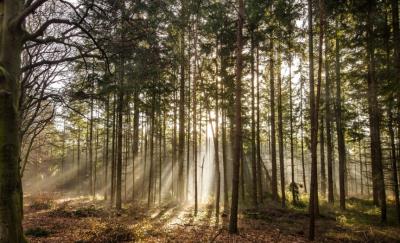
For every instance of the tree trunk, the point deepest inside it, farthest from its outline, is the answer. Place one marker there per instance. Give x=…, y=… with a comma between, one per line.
x=174, y=147
x=181, y=146
x=10, y=143
x=238, y=121
x=195, y=152
x=118, y=201
x=216, y=145
x=90, y=147
x=339, y=126
x=322, y=157
x=113, y=161
x=107, y=141
x=374, y=112
x=314, y=127
x=253, y=127
x=135, y=142
x=274, y=183
x=394, y=165
x=293, y=183
x=78, y=172
x=396, y=56
x=95, y=164
x=328, y=120
x=258, y=139
x=151, y=138
x=302, y=137
x=280, y=132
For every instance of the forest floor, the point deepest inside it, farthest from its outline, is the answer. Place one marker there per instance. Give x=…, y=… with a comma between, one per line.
x=54, y=218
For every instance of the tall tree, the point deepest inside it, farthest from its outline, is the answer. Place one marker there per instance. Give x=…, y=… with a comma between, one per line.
x=274, y=179
x=181, y=145
x=314, y=126
x=280, y=132
x=339, y=125
x=374, y=111
x=328, y=120
x=238, y=120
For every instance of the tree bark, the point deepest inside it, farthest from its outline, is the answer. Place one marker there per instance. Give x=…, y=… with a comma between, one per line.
x=253, y=127
x=258, y=131
x=195, y=152
x=274, y=183
x=181, y=145
x=328, y=120
x=394, y=165
x=339, y=126
x=10, y=143
x=280, y=133
x=233, y=229
x=314, y=127
x=374, y=112
x=118, y=201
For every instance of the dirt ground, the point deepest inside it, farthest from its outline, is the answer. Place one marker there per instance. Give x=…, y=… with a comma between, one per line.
x=57, y=218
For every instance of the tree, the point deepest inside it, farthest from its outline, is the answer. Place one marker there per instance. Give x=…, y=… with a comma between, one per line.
x=339, y=126
x=238, y=120
x=374, y=112
x=14, y=36
x=280, y=134
x=274, y=183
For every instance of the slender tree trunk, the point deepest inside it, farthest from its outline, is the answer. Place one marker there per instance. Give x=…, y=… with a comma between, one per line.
x=63, y=156
x=174, y=148
x=146, y=143
x=396, y=56
x=394, y=165
x=302, y=137
x=361, y=167
x=339, y=126
x=224, y=161
x=118, y=201
x=322, y=156
x=113, y=161
x=188, y=101
x=181, y=146
x=95, y=163
x=328, y=120
x=160, y=159
x=216, y=145
x=280, y=132
x=151, y=138
x=238, y=120
x=293, y=183
x=90, y=147
x=314, y=127
x=78, y=172
x=253, y=127
x=106, y=155
x=258, y=139
x=396, y=61
x=374, y=112
x=274, y=183
x=135, y=142
x=195, y=152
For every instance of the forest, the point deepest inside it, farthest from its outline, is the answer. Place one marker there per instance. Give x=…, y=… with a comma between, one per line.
x=199, y=121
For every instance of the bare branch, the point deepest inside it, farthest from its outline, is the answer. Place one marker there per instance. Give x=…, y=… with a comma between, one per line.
x=29, y=10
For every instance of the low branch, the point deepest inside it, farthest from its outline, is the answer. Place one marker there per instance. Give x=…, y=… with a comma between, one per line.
x=28, y=10
x=53, y=62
